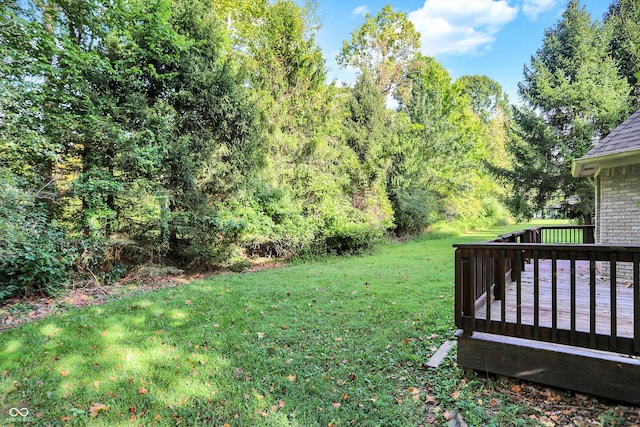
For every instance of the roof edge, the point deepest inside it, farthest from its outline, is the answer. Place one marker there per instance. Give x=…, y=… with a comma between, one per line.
x=591, y=166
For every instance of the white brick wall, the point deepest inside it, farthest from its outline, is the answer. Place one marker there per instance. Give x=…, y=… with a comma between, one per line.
x=618, y=214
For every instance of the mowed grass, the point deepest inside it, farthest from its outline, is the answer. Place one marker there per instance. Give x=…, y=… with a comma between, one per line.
x=330, y=342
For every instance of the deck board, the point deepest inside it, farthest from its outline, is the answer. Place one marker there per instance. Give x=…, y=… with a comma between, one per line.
x=623, y=292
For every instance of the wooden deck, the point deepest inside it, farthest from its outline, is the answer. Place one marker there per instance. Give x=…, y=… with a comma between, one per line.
x=549, y=305
x=623, y=327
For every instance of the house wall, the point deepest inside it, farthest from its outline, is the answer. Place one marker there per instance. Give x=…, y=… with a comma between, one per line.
x=618, y=214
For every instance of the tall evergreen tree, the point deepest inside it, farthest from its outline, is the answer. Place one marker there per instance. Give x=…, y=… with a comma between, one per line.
x=622, y=22
x=572, y=95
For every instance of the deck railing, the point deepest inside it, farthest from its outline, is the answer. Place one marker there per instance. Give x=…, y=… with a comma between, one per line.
x=546, y=284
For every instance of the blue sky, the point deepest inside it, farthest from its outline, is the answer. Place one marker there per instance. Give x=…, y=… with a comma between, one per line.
x=495, y=38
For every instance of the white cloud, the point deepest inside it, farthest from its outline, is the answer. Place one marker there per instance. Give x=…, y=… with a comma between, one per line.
x=461, y=26
x=360, y=10
x=533, y=8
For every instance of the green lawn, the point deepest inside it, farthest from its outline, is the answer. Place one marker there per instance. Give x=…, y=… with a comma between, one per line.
x=336, y=341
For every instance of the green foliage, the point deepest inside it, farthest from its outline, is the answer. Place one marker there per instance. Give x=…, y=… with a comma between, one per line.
x=414, y=209
x=35, y=257
x=384, y=47
x=182, y=132
x=485, y=96
x=440, y=160
x=622, y=26
x=573, y=94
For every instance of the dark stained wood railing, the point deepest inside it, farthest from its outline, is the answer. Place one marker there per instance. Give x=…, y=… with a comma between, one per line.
x=549, y=284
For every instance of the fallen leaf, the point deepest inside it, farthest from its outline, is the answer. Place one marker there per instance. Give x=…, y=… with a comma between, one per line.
x=96, y=384
x=188, y=302
x=95, y=409
x=516, y=388
x=292, y=378
x=455, y=394
x=429, y=399
x=493, y=402
x=546, y=422
x=64, y=373
x=448, y=416
x=336, y=405
x=142, y=390
x=157, y=417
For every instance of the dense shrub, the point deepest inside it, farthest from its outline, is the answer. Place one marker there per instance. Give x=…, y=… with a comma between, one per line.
x=35, y=257
x=414, y=209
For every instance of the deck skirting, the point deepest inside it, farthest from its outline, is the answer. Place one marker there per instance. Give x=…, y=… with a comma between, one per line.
x=601, y=373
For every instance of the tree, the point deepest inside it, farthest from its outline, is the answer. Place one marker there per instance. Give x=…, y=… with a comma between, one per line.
x=485, y=96
x=147, y=120
x=385, y=47
x=366, y=128
x=622, y=23
x=572, y=95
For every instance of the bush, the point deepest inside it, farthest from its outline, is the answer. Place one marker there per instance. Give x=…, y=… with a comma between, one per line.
x=275, y=223
x=35, y=256
x=414, y=209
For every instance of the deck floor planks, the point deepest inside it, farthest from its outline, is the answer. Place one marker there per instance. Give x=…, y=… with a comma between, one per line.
x=624, y=300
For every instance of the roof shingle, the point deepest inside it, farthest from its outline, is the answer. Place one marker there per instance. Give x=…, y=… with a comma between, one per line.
x=625, y=137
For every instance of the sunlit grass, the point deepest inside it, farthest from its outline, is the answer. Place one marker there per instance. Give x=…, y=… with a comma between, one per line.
x=336, y=341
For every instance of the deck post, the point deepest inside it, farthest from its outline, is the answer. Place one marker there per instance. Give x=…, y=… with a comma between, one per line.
x=636, y=303
x=465, y=288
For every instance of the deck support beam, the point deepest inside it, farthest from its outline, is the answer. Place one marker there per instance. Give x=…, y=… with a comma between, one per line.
x=600, y=373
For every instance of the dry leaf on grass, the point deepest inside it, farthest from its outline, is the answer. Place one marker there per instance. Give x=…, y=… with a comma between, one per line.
x=95, y=409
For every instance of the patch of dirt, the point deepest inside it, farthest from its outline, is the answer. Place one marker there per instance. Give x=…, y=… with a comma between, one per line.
x=554, y=407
